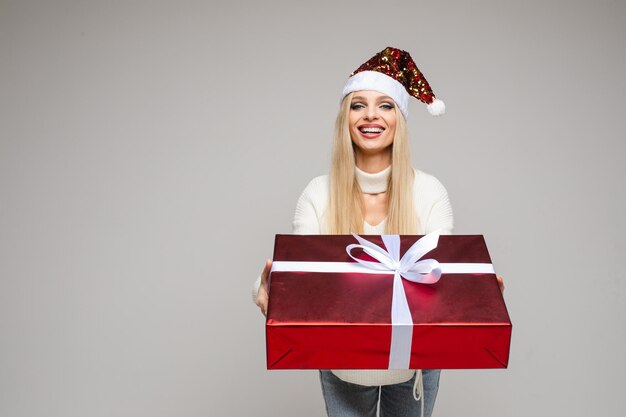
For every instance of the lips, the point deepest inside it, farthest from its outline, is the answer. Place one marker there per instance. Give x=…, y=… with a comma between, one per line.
x=370, y=131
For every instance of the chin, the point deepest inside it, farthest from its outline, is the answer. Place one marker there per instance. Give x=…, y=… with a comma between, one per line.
x=372, y=151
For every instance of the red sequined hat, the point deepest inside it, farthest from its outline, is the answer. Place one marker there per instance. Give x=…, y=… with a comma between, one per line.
x=393, y=72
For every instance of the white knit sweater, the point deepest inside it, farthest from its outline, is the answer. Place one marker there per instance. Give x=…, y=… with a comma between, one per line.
x=433, y=210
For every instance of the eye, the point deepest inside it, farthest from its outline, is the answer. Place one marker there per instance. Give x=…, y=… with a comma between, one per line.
x=356, y=106
x=387, y=106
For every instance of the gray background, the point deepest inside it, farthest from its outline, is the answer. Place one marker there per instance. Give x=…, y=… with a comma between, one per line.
x=150, y=150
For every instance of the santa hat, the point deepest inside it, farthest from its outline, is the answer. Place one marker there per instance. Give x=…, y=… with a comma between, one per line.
x=394, y=73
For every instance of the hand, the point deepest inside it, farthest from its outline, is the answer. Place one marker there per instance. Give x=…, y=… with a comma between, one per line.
x=263, y=297
x=501, y=284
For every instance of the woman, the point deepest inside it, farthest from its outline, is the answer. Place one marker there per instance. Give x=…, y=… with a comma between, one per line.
x=373, y=189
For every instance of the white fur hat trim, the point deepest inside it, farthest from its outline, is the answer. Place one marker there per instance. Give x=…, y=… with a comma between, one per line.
x=377, y=81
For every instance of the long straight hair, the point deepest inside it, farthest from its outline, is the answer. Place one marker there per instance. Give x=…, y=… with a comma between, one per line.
x=345, y=211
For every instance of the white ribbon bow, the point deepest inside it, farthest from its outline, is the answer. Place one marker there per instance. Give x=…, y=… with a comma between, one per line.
x=409, y=267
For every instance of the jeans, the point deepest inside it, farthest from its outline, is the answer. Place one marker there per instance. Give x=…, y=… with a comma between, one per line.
x=344, y=399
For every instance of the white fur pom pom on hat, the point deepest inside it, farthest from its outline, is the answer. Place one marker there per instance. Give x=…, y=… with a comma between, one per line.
x=437, y=107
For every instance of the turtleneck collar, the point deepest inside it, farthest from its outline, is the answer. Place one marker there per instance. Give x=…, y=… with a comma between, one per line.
x=373, y=183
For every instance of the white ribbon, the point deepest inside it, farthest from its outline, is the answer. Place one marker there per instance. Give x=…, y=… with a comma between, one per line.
x=409, y=267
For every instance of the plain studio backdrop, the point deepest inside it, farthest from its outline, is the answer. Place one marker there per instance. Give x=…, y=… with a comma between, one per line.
x=150, y=151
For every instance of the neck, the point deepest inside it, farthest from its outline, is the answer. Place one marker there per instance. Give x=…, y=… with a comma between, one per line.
x=373, y=183
x=372, y=163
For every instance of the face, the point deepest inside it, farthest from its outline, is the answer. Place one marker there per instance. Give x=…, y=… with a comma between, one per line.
x=372, y=122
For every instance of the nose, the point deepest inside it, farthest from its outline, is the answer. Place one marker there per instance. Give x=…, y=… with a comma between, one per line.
x=371, y=113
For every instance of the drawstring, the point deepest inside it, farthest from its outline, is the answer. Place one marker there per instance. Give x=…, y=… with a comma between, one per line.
x=418, y=390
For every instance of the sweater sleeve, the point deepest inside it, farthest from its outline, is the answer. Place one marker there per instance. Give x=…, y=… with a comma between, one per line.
x=305, y=219
x=440, y=217
x=255, y=288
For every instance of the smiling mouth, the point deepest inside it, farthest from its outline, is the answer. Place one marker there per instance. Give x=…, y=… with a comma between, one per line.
x=369, y=132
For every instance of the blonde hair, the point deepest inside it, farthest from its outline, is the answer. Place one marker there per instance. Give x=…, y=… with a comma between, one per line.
x=345, y=211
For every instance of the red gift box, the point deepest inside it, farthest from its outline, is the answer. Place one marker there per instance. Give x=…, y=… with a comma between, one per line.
x=343, y=320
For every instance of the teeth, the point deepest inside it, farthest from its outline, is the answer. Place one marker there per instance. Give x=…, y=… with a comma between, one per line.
x=371, y=130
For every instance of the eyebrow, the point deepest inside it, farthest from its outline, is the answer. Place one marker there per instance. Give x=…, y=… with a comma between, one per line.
x=381, y=98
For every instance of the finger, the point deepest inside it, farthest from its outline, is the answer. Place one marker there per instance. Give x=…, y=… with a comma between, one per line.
x=263, y=305
x=266, y=269
x=261, y=298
